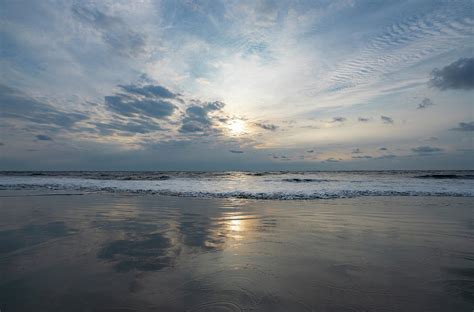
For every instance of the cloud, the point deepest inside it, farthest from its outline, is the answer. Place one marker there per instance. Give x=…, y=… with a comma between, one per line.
x=142, y=126
x=309, y=127
x=128, y=106
x=43, y=137
x=310, y=151
x=113, y=30
x=150, y=100
x=362, y=157
x=356, y=151
x=149, y=91
x=236, y=151
x=457, y=75
x=425, y=103
x=75, y=52
x=269, y=127
x=386, y=119
x=465, y=126
x=391, y=156
x=191, y=127
x=197, y=118
x=383, y=149
x=214, y=106
x=332, y=159
x=396, y=47
x=140, y=106
x=426, y=150
x=339, y=119
x=19, y=106
x=281, y=157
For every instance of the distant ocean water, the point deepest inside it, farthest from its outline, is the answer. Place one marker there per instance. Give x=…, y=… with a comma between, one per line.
x=281, y=185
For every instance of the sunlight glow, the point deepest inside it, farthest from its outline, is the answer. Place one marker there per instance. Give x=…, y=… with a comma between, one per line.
x=236, y=127
x=235, y=225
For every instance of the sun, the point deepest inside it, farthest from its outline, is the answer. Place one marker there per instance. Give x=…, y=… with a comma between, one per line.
x=236, y=127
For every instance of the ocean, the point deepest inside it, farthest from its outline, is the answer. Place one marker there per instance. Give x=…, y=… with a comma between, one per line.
x=280, y=185
x=237, y=241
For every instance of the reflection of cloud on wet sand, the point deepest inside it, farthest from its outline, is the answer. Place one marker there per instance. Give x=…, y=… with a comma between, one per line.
x=145, y=249
x=151, y=253
x=461, y=282
x=182, y=254
x=32, y=234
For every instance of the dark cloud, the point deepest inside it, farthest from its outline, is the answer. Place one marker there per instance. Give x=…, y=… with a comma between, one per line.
x=356, y=151
x=198, y=114
x=362, y=157
x=197, y=118
x=310, y=151
x=386, y=119
x=146, y=101
x=149, y=91
x=43, y=137
x=127, y=106
x=363, y=119
x=2, y=144
x=425, y=103
x=19, y=106
x=309, y=127
x=383, y=149
x=426, y=150
x=214, y=106
x=113, y=30
x=191, y=127
x=465, y=126
x=269, y=127
x=457, y=75
x=142, y=126
x=391, y=156
x=236, y=151
x=281, y=157
x=339, y=119
x=149, y=102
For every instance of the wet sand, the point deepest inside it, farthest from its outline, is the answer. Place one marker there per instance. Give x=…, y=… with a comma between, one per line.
x=111, y=252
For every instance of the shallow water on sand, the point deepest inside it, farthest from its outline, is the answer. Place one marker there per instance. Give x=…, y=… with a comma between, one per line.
x=115, y=252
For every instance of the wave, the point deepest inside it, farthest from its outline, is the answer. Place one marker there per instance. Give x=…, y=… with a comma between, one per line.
x=298, y=180
x=447, y=176
x=239, y=194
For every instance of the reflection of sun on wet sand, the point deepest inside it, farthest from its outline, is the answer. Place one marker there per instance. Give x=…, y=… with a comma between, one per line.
x=148, y=253
x=238, y=224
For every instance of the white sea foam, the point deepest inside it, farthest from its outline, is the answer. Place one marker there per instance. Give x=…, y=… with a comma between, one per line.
x=269, y=185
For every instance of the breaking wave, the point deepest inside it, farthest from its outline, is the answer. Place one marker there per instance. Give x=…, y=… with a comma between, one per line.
x=322, y=194
x=279, y=185
x=298, y=180
x=447, y=176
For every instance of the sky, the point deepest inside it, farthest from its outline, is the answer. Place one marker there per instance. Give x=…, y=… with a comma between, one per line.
x=236, y=85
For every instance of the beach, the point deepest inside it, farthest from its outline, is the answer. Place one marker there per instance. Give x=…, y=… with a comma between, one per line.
x=71, y=250
x=205, y=156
